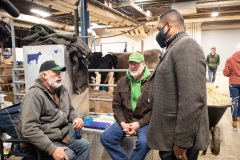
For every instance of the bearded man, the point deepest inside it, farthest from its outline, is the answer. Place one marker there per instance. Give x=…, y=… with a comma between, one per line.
x=132, y=111
x=48, y=119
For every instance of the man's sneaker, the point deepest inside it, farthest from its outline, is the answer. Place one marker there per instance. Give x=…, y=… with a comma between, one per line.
x=234, y=124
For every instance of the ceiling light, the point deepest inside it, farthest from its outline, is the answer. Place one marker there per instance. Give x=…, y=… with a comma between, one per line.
x=148, y=15
x=41, y=13
x=214, y=14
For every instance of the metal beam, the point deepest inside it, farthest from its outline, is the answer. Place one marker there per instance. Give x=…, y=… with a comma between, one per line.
x=139, y=9
x=84, y=21
x=208, y=19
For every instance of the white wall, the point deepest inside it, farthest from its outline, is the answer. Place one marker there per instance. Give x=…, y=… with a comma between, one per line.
x=133, y=42
x=225, y=42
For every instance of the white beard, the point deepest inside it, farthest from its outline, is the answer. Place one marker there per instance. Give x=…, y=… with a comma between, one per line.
x=139, y=72
x=53, y=83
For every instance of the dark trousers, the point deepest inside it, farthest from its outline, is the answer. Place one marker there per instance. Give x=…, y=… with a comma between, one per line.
x=169, y=155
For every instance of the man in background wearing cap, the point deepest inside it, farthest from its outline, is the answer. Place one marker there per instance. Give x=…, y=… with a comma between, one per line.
x=132, y=111
x=212, y=62
x=48, y=119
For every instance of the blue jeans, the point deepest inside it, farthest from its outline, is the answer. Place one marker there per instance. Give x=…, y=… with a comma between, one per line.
x=169, y=155
x=9, y=118
x=78, y=149
x=212, y=75
x=111, y=137
x=235, y=95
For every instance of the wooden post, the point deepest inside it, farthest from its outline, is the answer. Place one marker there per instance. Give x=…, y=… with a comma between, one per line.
x=142, y=46
x=1, y=52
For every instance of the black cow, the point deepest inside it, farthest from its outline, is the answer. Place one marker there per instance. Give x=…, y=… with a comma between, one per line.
x=98, y=61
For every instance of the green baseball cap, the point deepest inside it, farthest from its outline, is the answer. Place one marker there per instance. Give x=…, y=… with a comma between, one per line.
x=136, y=57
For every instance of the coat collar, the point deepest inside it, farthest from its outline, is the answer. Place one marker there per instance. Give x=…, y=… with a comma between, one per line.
x=164, y=54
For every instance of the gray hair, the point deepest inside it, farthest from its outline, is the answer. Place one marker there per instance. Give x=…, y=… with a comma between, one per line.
x=40, y=75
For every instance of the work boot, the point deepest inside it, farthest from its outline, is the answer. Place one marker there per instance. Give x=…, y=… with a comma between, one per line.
x=238, y=119
x=234, y=124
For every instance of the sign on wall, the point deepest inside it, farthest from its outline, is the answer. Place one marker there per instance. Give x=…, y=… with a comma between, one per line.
x=34, y=56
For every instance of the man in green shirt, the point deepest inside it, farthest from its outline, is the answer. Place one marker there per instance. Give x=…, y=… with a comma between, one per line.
x=132, y=110
x=213, y=60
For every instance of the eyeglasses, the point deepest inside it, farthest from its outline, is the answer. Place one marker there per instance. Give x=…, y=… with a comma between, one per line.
x=162, y=27
x=134, y=64
x=56, y=73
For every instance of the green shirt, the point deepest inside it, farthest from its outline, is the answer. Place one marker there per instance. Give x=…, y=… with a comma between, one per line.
x=213, y=61
x=136, y=86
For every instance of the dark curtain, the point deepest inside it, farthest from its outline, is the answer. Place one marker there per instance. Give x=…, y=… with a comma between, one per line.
x=19, y=42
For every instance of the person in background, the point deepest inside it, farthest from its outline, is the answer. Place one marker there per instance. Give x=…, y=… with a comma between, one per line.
x=179, y=124
x=132, y=111
x=212, y=61
x=48, y=119
x=232, y=70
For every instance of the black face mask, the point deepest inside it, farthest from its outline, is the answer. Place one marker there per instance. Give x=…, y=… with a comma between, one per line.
x=161, y=37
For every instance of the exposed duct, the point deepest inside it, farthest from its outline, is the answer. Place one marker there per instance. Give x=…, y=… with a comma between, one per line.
x=113, y=11
x=113, y=17
x=140, y=31
x=104, y=20
x=217, y=4
x=220, y=26
x=220, y=18
x=208, y=19
x=76, y=17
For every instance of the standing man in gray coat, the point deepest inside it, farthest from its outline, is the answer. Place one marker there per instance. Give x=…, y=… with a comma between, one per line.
x=179, y=126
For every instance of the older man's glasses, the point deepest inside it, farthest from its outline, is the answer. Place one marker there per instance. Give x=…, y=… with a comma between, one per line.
x=134, y=64
x=56, y=73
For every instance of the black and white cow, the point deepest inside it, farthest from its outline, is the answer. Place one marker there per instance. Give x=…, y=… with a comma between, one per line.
x=99, y=61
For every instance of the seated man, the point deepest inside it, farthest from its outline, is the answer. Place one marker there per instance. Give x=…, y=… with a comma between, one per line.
x=132, y=111
x=48, y=119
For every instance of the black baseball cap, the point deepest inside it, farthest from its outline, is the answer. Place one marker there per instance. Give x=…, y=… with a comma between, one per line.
x=51, y=65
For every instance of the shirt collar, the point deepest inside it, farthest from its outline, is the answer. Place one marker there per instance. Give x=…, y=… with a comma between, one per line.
x=172, y=38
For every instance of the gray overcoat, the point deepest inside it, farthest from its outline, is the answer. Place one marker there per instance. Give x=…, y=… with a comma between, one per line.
x=179, y=113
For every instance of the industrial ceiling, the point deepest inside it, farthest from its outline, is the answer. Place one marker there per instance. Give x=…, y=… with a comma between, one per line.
x=122, y=14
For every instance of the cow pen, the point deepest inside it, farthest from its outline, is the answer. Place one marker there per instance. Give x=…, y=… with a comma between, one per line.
x=105, y=85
